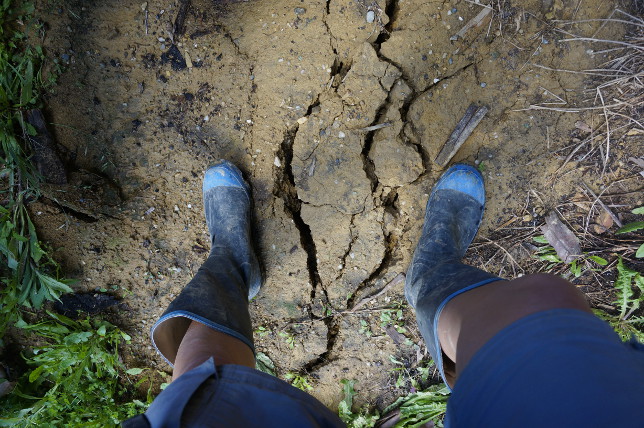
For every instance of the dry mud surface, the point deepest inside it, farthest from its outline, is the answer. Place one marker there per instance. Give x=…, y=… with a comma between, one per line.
x=288, y=90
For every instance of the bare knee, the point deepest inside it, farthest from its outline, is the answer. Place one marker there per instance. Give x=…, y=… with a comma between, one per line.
x=541, y=291
x=474, y=317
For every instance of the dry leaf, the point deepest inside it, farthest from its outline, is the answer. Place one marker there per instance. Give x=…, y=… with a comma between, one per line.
x=639, y=162
x=605, y=220
x=583, y=127
x=598, y=228
x=561, y=238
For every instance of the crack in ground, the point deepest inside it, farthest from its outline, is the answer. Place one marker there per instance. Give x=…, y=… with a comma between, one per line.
x=367, y=164
x=391, y=10
x=333, y=328
x=404, y=111
x=354, y=237
x=332, y=39
x=391, y=241
x=285, y=189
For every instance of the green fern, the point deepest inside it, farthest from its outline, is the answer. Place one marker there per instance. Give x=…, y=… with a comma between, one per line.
x=629, y=287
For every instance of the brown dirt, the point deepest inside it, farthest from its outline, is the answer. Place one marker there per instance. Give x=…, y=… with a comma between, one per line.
x=284, y=89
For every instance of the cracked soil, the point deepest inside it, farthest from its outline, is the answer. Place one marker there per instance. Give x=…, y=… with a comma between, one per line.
x=291, y=92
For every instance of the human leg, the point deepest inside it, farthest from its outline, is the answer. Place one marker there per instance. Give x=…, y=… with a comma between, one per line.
x=206, y=333
x=210, y=317
x=472, y=318
x=436, y=273
x=456, y=315
x=202, y=342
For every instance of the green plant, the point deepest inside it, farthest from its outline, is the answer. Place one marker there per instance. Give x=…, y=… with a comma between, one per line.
x=548, y=254
x=393, y=317
x=421, y=407
x=262, y=331
x=361, y=419
x=265, y=364
x=73, y=379
x=629, y=288
x=365, y=328
x=299, y=381
x=632, y=227
x=288, y=338
x=27, y=269
x=406, y=374
x=28, y=284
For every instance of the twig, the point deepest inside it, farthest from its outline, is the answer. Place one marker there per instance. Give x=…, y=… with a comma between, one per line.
x=397, y=279
x=590, y=39
x=463, y=130
x=610, y=213
x=179, y=23
x=375, y=127
x=507, y=253
x=567, y=110
x=601, y=97
x=474, y=22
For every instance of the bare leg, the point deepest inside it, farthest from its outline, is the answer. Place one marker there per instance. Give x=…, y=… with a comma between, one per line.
x=201, y=342
x=474, y=317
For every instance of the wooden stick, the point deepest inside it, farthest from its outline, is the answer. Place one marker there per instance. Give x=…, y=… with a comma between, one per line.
x=179, y=22
x=474, y=22
x=610, y=213
x=397, y=279
x=463, y=130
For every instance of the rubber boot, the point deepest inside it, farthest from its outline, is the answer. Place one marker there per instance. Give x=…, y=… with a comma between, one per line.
x=218, y=295
x=436, y=274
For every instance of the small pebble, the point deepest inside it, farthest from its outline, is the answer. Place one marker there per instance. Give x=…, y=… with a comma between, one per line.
x=483, y=84
x=371, y=16
x=277, y=162
x=341, y=134
x=300, y=10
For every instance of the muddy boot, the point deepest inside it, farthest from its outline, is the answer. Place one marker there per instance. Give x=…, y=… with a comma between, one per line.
x=436, y=274
x=218, y=295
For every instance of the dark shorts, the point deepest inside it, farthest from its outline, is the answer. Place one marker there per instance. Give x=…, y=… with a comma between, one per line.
x=233, y=396
x=558, y=368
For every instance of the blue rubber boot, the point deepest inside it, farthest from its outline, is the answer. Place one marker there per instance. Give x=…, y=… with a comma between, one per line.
x=218, y=295
x=436, y=274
